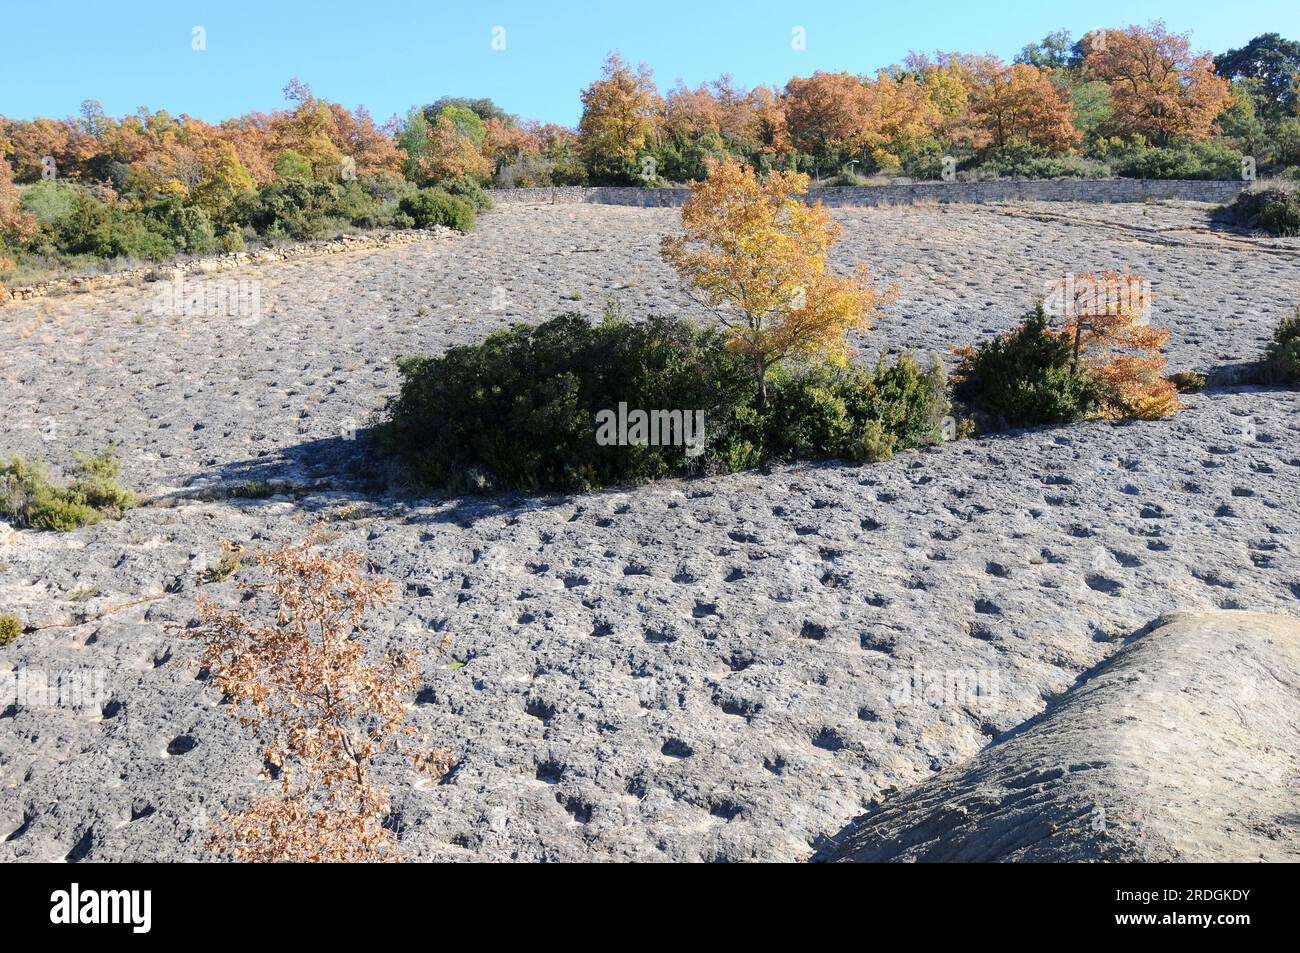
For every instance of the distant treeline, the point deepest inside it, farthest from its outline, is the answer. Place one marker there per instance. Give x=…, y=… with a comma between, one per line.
x=1135, y=102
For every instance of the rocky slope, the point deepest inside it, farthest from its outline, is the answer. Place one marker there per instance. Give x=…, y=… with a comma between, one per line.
x=1183, y=746
x=724, y=668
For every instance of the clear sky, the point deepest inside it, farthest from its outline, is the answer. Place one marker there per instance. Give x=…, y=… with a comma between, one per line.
x=395, y=54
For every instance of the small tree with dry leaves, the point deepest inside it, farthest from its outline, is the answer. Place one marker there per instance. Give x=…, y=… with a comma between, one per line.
x=756, y=253
x=305, y=680
x=1104, y=317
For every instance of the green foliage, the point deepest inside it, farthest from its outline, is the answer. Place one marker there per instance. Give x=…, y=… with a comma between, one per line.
x=71, y=219
x=1286, y=142
x=434, y=206
x=467, y=123
x=1028, y=163
x=254, y=490
x=1274, y=209
x=522, y=410
x=859, y=413
x=30, y=499
x=297, y=209
x=468, y=191
x=187, y=227
x=1023, y=378
x=292, y=165
x=1281, y=364
x=1212, y=159
x=51, y=202
x=10, y=628
x=1274, y=63
x=484, y=108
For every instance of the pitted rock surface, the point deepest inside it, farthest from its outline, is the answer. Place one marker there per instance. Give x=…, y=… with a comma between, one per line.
x=698, y=669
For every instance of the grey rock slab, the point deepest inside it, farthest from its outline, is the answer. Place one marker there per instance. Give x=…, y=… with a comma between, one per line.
x=1182, y=746
x=695, y=669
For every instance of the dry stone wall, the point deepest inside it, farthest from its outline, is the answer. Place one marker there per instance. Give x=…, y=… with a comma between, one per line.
x=1001, y=190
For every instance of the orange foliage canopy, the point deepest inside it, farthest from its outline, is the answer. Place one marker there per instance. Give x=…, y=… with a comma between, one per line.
x=1159, y=88
x=753, y=249
x=1105, y=319
x=1019, y=104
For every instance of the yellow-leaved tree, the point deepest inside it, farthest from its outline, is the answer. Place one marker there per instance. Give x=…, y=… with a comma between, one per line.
x=756, y=253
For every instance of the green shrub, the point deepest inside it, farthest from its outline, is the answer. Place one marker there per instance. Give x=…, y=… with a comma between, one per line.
x=1027, y=163
x=95, y=481
x=1023, y=379
x=1281, y=216
x=31, y=500
x=522, y=409
x=429, y=207
x=1187, y=382
x=1274, y=209
x=73, y=220
x=187, y=227
x=10, y=628
x=1281, y=364
x=293, y=208
x=292, y=165
x=254, y=490
x=1212, y=159
x=468, y=190
x=51, y=201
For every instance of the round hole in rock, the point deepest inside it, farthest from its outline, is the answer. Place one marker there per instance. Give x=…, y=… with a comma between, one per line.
x=181, y=744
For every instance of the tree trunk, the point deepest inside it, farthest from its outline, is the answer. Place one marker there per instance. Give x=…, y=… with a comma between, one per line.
x=761, y=373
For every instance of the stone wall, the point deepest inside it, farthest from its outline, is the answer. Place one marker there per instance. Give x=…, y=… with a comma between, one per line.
x=1000, y=190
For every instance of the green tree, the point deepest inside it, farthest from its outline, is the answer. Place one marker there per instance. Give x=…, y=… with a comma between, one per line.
x=1276, y=63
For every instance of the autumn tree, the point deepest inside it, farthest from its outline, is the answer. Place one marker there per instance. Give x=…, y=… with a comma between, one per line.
x=305, y=681
x=756, y=254
x=900, y=114
x=450, y=155
x=14, y=222
x=618, y=117
x=691, y=113
x=1018, y=104
x=1104, y=317
x=1159, y=88
x=772, y=127
x=827, y=115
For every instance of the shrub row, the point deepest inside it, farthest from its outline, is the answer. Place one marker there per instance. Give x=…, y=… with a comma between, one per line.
x=519, y=410
x=523, y=409
x=77, y=220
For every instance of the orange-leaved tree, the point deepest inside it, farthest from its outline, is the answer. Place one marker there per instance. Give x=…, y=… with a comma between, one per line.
x=1159, y=88
x=1019, y=104
x=1104, y=316
x=756, y=254
x=305, y=680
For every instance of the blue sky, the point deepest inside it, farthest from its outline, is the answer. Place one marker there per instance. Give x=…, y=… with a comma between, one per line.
x=395, y=54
